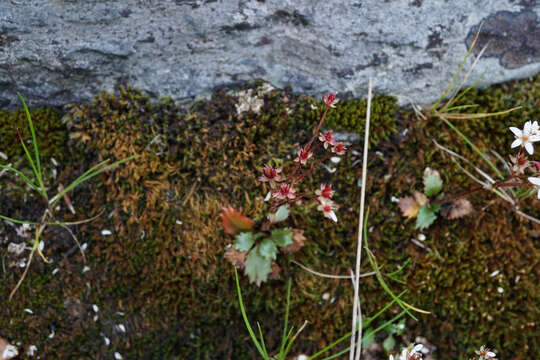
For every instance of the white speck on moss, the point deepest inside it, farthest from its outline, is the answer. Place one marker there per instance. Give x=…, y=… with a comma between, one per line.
x=31, y=350
x=121, y=327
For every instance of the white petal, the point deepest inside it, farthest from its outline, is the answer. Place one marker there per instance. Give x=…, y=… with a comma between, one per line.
x=534, y=138
x=418, y=348
x=538, y=195
x=529, y=147
x=490, y=354
x=516, y=143
x=117, y=356
x=535, y=127
x=516, y=131
x=527, y=128
x=331, y=215
x=534, y=180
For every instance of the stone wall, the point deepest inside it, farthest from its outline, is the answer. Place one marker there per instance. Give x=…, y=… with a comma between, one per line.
x=61, y=51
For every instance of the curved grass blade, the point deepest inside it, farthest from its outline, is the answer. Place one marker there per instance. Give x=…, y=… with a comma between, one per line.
x=262, y=339
x=244, y=316
x=23, y=222
x=34, y=142
x=19, y=173
x=286, y=322
x=88, y=175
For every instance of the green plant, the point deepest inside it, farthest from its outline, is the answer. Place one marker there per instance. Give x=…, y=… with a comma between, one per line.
x=37, y=184
x=289, y=336
x=257, y=257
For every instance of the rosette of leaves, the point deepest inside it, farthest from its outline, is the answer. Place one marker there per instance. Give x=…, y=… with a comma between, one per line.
x=256, y=251
x=425, y=206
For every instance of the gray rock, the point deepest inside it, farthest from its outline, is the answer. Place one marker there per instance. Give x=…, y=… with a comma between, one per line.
x=61, y=51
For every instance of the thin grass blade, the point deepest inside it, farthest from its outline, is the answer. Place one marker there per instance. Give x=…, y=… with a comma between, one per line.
x=19, y=173
x=244, y=316
x=88, y=175
x=35, y=144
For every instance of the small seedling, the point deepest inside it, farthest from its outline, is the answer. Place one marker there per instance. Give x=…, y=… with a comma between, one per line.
x=37, y=184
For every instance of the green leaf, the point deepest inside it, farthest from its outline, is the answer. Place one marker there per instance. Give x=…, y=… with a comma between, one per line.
x=281, y=214
x=268, y=249
x=432, y=182
x=244, y=241
x=282, y=237
x=389, y=343
x=426, y=216
x=257, y=267
x=368, y=338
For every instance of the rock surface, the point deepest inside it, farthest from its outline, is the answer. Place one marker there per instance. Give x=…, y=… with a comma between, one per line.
x=61, y=51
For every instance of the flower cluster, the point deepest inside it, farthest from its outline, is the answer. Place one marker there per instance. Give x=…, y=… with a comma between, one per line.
x=284, y=187
x=257, y=243
x=525, y=139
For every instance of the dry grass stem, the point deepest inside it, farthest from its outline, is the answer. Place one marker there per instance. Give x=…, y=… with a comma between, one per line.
x=356, y=339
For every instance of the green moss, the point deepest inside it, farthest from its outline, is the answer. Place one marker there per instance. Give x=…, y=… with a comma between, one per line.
x=178, y=292
x=350, y=115
x=51, y=134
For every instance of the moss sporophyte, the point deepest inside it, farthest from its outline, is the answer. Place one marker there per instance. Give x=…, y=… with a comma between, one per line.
x=256, y=244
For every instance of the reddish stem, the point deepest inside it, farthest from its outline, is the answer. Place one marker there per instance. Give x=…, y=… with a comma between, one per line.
x=307, y=146
x=313, y=166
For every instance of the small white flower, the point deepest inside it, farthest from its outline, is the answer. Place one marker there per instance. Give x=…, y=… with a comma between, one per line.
x=327, y=206
x=526, y=136
x=95, y=308
x=412, y=352
x=117, y=356
x=536, y=182
x=9, y=352
x=484, y=353
x=106, y=232
x=28, y=311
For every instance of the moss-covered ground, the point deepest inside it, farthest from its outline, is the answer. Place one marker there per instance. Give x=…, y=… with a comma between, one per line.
x=162, y=275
